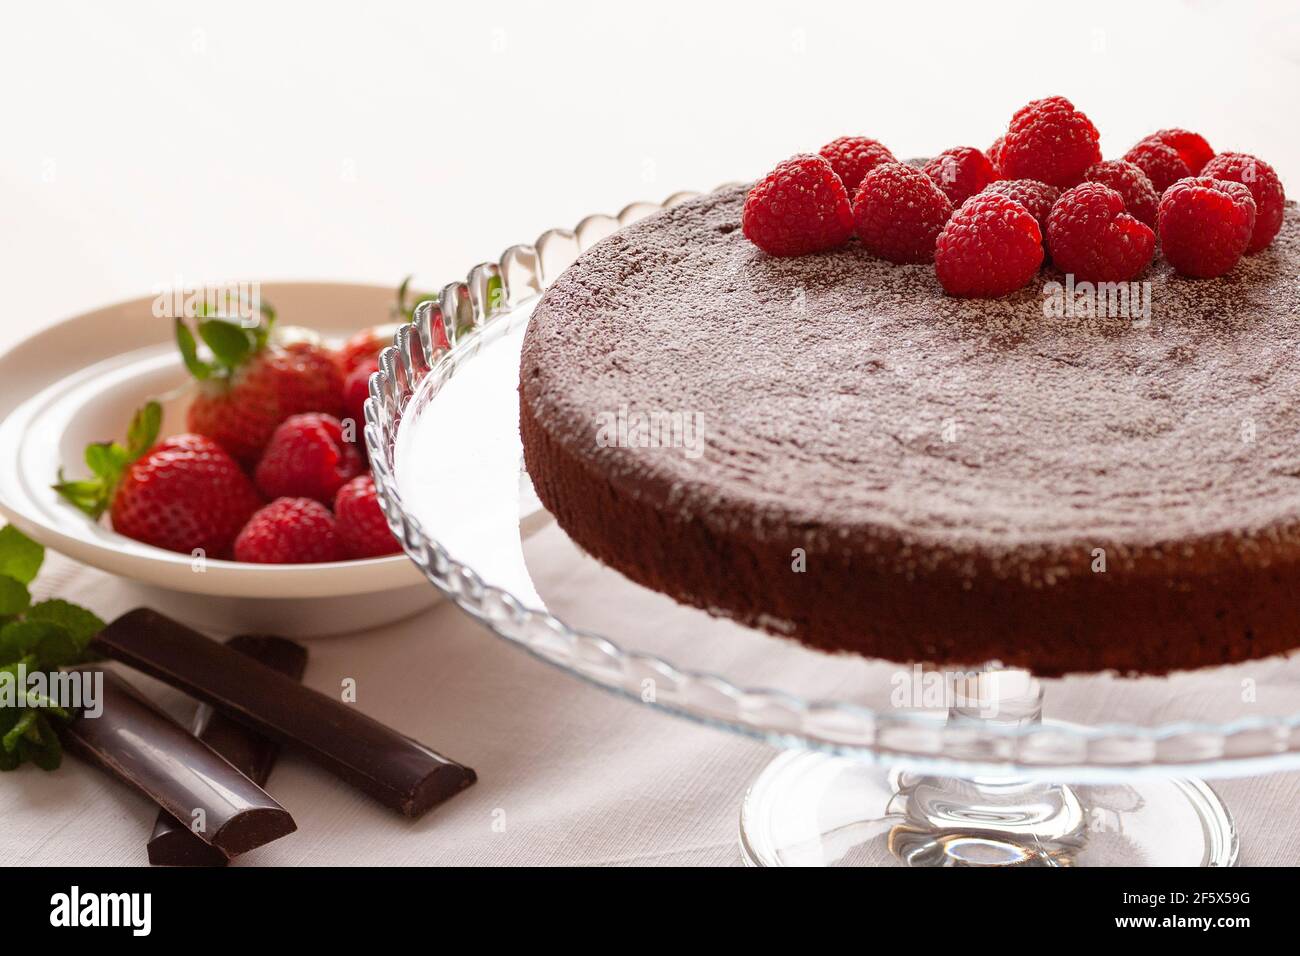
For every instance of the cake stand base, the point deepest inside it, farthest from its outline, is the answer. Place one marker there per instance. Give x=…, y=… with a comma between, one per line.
x=811, y=809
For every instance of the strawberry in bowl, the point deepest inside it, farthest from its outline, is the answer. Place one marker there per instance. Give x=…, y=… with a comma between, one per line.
x=256, y=473
x=184, y=493
x=160, y=446
x=254, y=381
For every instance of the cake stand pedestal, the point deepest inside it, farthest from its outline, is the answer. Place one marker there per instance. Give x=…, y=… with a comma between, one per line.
x=863, y=780
x=813, y=809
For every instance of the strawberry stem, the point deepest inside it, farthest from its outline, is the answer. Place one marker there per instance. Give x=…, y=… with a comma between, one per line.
x=231, y=343
x=108, y=461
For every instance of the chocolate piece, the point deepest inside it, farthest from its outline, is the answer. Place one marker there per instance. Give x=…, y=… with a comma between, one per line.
x=392, y=768
x=253, y=755
x=145, y=748
x=888, y=470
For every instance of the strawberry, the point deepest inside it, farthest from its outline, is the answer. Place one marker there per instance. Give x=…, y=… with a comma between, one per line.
x=356, y=389
x=307, y=457
x=184, y=493
x=365, y=346
x=361, y=522
x=255, y=381
x=290, y=531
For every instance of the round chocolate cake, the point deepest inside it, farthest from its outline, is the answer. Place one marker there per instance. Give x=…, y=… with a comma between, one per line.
x=831, y=449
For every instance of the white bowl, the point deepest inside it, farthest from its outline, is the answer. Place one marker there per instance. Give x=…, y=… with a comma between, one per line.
x=81, y=380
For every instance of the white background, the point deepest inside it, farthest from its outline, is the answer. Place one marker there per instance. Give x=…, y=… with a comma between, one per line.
x=246, y=140
x=365, y=141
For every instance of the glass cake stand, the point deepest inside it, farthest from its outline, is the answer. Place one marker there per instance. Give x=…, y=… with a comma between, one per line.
x=881, y=764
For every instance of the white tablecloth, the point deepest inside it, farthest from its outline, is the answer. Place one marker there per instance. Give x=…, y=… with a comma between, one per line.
x=567, y=774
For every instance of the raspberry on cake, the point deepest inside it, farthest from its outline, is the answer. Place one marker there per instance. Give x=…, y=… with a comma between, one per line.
x=798, y=208
x=1034, y=196
x=852, y=157
x=1091, y=236
x=961, y=172
x=1191, y=147
x=1205, y=225
x=1141, y=201
x=990, y=247
x=1161, y=163
x=898, y=212
x=1049, y=140
x=1265, y=188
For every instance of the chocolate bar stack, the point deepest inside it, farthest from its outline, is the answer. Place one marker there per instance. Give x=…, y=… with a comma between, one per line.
x=208, y=782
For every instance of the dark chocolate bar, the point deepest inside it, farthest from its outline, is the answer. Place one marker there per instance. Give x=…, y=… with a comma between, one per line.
x=142, y=746
x=394, y=769
x=253, y=755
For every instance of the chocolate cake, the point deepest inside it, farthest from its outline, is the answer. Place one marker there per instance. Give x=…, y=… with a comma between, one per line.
x=1052, y=480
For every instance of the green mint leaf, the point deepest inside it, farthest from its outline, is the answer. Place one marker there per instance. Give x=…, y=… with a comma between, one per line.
x=14, y=597
x=229, y=343
x=49, y=753
x=143, y=431
x=81, y=624
x=57, y=647
x=19, y=638
x=43, y=703
x=8, y=717
x=20, y=556
x=26, y=720
x=28, y=662
x=190, y=352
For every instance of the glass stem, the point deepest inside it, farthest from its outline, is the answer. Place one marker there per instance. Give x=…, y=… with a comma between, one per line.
x=987, y=820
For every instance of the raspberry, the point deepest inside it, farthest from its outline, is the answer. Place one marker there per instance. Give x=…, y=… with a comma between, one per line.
x=961, y=172
x=1035, y=196
x=798, y=208
x=1191, y=147
x=995, y=154
x=899, y=212
x=307, y=457
x=1161, y=163
x=290, y=531
x=361, y=522
x=1140, y=198
x=852, y=157
x=356, y=389
x=990, y=247
x=1205, y=225
x=1265, y=188
x=1049, y=140
x=1092, y=236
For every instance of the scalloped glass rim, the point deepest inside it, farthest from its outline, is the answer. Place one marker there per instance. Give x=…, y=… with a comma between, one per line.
x=469, y=316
